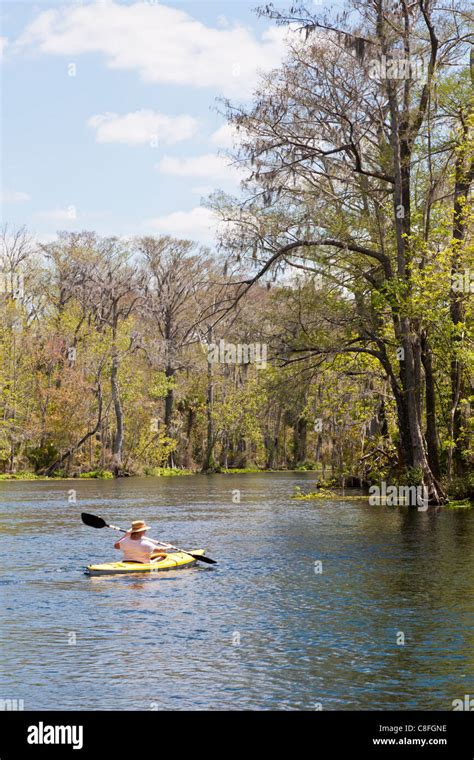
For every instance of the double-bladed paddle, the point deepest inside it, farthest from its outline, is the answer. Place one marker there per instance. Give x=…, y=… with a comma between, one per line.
x=97, y=522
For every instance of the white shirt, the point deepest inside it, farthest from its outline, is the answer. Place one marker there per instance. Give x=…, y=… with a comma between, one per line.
x=137, y=551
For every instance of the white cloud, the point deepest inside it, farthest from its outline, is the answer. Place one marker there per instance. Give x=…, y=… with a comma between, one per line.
x=3, y=44
x=161, y=43
x=198, y=224
x=225, y=137
x=14, y=196
x=141, y=127
x=209, y=166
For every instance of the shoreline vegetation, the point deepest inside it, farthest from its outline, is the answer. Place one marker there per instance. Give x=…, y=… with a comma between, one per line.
x=331, y=488
x=329, y=324
x=155, y=472
x=323, y=492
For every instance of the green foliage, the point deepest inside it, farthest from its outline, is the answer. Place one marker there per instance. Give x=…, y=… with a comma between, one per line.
x=21, y=476
x=462, y=487
x=411, y=476
x=42, y=457
x=461, y=504
x=323, y=494
x=329, y=398
x=93, y=474
x=160, y=385
x=165, y=472
x=237, y=470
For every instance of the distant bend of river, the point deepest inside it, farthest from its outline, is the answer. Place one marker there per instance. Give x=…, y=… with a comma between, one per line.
x=312, y=605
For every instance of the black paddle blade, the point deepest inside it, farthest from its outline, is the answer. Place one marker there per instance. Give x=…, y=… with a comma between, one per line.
x=202, y=558
x=93, y=521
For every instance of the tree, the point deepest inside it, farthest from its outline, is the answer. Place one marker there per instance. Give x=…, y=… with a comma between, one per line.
x=114, y=285
x=339, y=160
x=178, y=278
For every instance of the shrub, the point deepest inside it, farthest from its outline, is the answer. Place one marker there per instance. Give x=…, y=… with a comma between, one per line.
x=106, y=474
x=42, y=457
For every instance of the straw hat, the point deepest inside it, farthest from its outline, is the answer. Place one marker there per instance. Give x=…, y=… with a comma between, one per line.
x=138, y=526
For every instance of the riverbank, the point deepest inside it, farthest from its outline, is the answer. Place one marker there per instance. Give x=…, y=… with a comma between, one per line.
x=323, y=494
x=155, y=472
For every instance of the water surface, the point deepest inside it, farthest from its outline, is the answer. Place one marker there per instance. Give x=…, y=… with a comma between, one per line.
x=263, y=629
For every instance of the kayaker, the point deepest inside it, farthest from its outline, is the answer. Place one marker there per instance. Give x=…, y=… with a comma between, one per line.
x=137, y=547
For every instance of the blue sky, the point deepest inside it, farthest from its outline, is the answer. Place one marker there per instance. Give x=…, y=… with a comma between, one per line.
x=109, y=119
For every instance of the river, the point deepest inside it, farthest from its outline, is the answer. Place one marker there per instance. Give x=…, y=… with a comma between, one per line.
x=312, y=605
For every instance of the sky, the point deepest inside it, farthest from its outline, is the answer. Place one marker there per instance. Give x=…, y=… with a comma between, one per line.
x=110, y=111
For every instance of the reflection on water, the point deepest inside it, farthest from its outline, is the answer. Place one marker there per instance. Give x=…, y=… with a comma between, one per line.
x=260, y=630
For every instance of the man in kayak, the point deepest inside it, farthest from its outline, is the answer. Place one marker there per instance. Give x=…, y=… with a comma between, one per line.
x=137, y=547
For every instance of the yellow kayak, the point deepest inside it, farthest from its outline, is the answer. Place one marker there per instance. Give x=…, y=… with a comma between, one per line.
x=170, y=562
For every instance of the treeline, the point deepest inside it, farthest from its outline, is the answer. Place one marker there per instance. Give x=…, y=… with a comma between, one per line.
x=133, y=356
x=333, y=329
x=130, y=357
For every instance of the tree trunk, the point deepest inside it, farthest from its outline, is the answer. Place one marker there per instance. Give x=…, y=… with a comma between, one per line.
x=242, y=453
x=412, y=354
x=459, y=430
x=299, y=440
x=431, y=427
x=208, y=464
x=117, y=444
x=271, y=443
x=188, y=454
x=407, y=331
x=169, y=404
